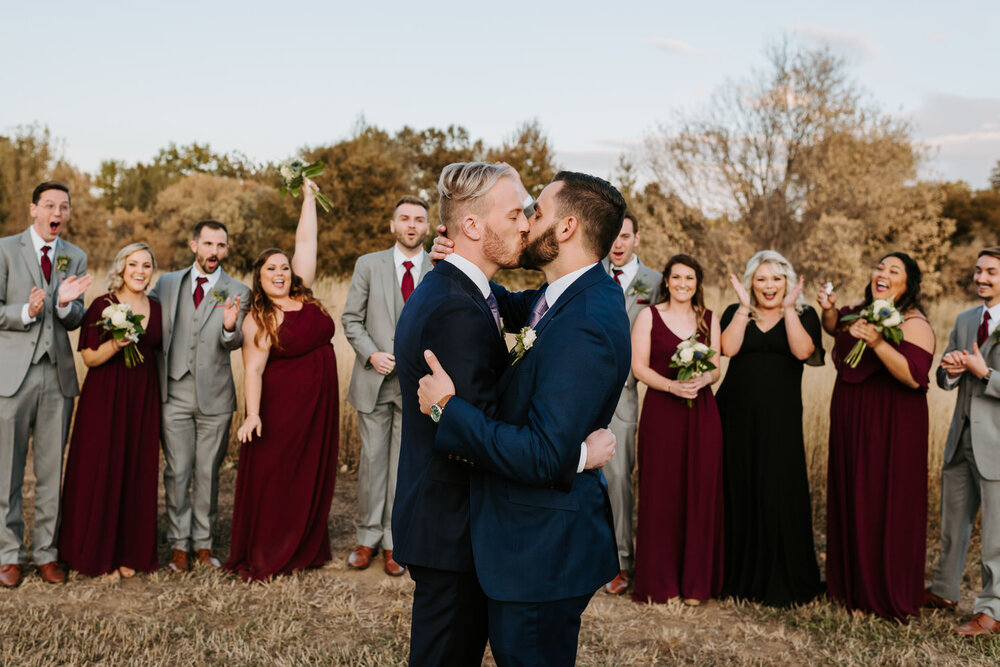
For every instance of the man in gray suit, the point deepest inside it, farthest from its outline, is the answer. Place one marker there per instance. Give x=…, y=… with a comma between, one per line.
x=971, y=474
x=42, y=281
x=381, y=284
x=640, y=285
x=203, y=309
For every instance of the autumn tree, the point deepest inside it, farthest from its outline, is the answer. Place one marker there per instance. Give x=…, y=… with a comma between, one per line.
x=528, y=150
x=797, y=158
x=26, y=156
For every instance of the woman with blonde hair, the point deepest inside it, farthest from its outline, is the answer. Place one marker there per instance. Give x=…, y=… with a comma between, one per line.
x=768, y=336
x=108, y=516
x=678, y=549
x=288, y=461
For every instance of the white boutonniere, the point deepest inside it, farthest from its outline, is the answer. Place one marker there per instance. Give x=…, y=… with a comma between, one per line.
x=220, y=294
x=996, y=335
x=523, y=341
x=62, y=263
x=639, y=288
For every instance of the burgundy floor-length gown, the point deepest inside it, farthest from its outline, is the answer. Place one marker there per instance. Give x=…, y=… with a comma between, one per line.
x=877, y=483
x=108, y=506
x=678, y=547
x=285, y=480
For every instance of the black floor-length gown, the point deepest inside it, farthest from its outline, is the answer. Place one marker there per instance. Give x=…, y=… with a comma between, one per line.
x=769, y=552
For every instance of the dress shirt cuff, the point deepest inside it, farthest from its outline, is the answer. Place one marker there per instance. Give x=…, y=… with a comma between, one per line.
x=227, y=335
x=583, y=458
x=950, y=380
x=63, y=311
x=25, y=318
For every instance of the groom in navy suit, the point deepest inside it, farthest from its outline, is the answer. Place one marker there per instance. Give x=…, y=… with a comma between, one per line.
x=542, y=535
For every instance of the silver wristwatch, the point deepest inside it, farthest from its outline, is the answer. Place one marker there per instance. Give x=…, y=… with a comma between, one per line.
x=436, y=412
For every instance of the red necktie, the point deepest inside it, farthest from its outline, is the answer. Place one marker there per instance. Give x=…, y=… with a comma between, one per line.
x=984, y=329
x=407, y=286
x=199, y=293
x=617, y=273
x=46, y=263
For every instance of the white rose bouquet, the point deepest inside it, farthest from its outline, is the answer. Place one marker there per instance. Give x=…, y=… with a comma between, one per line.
x=886, y=318
x=123, y=324
x=692, y=360
x=294, y=171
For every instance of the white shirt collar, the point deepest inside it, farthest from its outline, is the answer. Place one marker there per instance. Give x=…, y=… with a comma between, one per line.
x=418, y=263
x=473, y=272
x=557, y=287
x=994, y=317
x=38, y=242
x=213, y=278
x=629, y=271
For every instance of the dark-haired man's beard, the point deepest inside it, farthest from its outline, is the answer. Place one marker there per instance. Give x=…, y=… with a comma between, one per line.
x=542, y=251
x=497, y=252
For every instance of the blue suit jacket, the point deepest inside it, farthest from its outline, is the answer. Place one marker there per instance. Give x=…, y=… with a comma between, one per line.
x=540, y=532
x=448, y=315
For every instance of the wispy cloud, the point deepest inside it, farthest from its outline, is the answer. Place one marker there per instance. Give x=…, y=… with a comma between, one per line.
x=849, y=42
x=680, y=47
x=965, y=131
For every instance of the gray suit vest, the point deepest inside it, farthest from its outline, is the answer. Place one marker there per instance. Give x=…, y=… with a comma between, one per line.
x=184, y=343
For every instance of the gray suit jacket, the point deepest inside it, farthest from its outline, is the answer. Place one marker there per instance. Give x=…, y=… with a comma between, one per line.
x=19, y=272
x=216, y=393
x=373, y=304
x=642, y=293
x=978, y=402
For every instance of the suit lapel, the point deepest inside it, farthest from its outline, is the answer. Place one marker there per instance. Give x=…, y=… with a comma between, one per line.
x=470, y=288
x=31, y=259
x=390, y=287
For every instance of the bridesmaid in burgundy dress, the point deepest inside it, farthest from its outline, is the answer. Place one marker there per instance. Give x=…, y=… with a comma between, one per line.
x=288, y=461
x=877, y=476
x=108, y=512
x=679, y=533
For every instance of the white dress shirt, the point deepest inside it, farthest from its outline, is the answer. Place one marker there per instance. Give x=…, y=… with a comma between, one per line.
x=418, y=262
x=38, y=242
x=629, y=272
x=552, y=294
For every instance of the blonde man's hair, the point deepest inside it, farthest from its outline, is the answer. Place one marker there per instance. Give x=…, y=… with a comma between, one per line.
x=780, y=266
x=115, y=279
x=463, y=187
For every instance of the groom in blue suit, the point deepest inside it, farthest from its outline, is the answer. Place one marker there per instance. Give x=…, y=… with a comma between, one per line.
x=542, y=535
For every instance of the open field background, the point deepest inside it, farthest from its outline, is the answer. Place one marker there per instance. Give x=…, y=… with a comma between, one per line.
x=338, y=616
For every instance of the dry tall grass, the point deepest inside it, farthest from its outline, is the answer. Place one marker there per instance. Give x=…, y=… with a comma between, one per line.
x=339, y=616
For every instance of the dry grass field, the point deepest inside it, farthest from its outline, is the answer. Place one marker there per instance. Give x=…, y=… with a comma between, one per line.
x=337, y=616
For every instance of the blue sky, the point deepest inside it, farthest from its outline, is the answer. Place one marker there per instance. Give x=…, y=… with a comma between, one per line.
x=122, y=79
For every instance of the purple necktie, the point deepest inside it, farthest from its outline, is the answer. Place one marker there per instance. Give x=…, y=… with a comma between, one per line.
x=491, y=301
x=538, y=311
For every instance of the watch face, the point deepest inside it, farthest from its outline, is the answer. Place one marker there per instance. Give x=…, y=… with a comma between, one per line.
x=436, y=413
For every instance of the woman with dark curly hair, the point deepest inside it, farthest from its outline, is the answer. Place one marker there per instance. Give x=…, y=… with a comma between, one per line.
x=877, y=475
x=288, y=461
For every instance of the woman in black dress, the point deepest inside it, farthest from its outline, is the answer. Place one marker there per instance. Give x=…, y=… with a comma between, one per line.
x=768, y=335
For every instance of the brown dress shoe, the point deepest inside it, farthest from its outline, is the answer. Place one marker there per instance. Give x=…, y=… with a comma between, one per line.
x=52, y=573
x=179, y=561
x=932, y=601
x=10, y=575
x=392, y=568
x=207, y=558
x=981, y=624
x=618, y=585
x=361, y=557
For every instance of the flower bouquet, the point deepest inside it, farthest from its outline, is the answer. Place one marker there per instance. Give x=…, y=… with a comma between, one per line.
x=883, y=314
x=294, y=171
x=692, y=360
x=119, y=320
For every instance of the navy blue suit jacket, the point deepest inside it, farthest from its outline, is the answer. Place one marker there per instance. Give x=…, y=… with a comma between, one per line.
x=448, y=315
x=540, y=532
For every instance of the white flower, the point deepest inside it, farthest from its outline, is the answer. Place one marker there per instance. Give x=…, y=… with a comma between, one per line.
x=529, y=339
x=893, y=320
x=285, y=173
x=119, y=319
x=106, y=313
x=686, y=355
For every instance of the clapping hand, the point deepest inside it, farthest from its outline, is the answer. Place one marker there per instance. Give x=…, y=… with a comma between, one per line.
x=72, y=288
x=443, y=246
x=434, y=387
x=231, y=312
x=600, y=448
x=250, y=426
x=36, y=302
x=826, y=298
x=792, y=296
x=741, y=291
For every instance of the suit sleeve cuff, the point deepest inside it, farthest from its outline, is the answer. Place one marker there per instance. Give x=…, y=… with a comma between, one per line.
x=583, y=458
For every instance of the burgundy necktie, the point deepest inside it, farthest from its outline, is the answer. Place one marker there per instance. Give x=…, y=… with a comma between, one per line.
x=984, y=329
x=407, y=286
x=617, y=273
x=199, y=292
x=46, y=263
